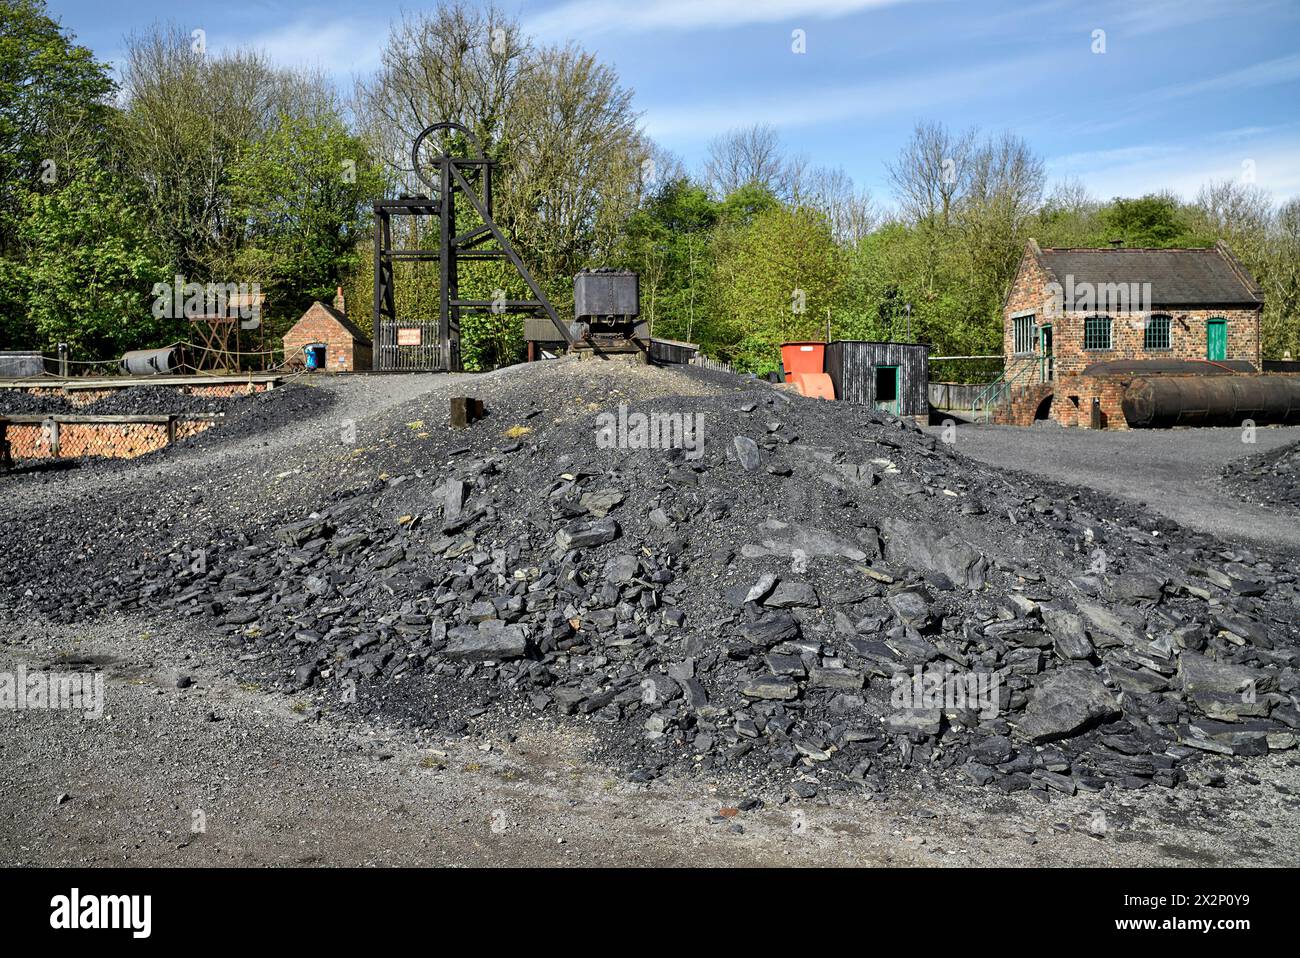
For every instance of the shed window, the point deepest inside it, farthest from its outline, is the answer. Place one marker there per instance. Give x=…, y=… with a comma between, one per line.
x=1096, y=332
x=1024, y=334
x=1157, y=333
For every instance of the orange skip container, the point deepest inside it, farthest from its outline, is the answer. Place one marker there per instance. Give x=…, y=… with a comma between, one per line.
x=805, y=365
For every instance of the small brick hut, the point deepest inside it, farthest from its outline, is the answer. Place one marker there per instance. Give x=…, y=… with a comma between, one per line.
x=347, y=348
x=1080, y=324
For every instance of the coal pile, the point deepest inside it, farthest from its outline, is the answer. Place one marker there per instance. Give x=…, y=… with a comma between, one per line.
x=18, y=402
x=1270, y=479
x=815, y=597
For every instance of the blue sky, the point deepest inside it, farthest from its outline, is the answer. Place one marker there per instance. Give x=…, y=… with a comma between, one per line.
x=1186, y=90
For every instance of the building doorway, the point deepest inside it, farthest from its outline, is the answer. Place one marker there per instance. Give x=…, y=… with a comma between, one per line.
x=1049, y=357
x=887, y=389
x=1216, y=339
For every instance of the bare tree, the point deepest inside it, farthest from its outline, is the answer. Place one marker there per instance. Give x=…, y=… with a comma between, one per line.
x=661, y=167
x=457, y=63
x=1234, y=210
x=932, y=173
x=851, y=213
x=1071, y=196
x=746, y=156
x=1006, y=178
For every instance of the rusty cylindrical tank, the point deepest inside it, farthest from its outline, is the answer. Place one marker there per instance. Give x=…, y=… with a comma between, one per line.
x=152, y=362
x=1212, y=400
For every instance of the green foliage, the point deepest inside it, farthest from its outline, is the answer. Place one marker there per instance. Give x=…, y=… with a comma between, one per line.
x=667, y=242
x=1152, y=220
x=489, y=340
x=300, y=192
x=52, y=107
x=776, y=278
x=89, y=274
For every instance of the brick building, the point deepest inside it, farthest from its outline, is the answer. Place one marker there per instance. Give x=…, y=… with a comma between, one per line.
x=1080, y=324
x=347, y=348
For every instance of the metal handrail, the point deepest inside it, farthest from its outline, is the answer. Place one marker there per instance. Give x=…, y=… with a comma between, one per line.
x=997, y=392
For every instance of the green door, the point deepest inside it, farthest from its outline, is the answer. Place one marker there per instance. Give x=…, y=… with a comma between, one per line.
x=1216, y=339
x=1047, y=360
x=887, y=389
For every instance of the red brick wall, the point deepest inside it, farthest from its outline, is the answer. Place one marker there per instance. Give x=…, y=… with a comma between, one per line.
x=1022, y=406
x=98, y=440
x=228, y=389
x=342, y=353
x=1187, y=329
x=1073, y=396
x=1029, y=291
x=1187, y=337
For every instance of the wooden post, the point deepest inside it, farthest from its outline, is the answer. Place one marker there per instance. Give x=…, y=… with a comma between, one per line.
x=52, y=429
x=465, y=410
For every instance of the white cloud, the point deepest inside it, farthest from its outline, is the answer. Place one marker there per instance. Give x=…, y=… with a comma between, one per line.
x=1137, y=170
x=576, y=19
x=1161, y=16
x=911, y=96
x=1267, y=73
x=335, y=46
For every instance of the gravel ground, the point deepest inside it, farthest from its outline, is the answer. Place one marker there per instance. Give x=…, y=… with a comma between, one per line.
x=288, y=775
x=1173, y=472
x=277, y=785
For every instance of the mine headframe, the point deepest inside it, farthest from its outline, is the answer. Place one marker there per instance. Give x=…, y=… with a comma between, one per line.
x=455, y=180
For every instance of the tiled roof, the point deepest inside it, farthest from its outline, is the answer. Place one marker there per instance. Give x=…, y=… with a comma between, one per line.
x=1178, y=277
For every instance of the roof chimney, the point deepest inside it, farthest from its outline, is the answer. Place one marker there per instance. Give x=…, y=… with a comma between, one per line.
x=338, y=300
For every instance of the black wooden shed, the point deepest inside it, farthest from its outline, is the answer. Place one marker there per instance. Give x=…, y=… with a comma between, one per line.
x=892, y=376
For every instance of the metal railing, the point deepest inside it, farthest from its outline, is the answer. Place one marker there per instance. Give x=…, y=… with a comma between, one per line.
x=993, y=396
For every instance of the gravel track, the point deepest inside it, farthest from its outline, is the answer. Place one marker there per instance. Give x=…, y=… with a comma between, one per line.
x=1172, y=472
x=280, y=786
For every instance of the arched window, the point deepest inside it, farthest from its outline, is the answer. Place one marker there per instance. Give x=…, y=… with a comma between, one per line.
x=1157, y=335
x=1096, y=332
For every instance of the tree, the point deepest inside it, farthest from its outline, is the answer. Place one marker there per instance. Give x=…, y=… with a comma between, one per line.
x=775, y=279
x=300, y=193
x=1280, y=274
x=188, y=117
x=932, y=173
x=53, y=107
x=457, y=63
x=1151, y=220
x=748, y=156
x=668, y=242
x=91, y=270
x=577, y=156
x=851, y=213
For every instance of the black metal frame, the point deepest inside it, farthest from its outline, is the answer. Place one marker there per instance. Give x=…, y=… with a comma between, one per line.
x=455, y=176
